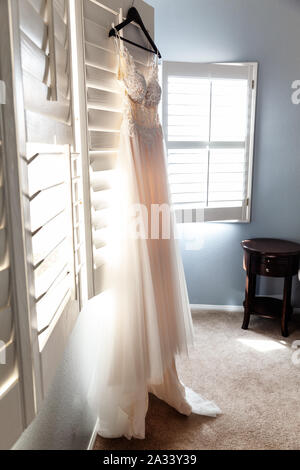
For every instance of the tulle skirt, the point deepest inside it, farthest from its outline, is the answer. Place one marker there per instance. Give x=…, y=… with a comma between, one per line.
x=147, y=322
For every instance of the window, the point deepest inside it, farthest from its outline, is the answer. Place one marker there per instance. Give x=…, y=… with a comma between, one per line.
x=208, y=118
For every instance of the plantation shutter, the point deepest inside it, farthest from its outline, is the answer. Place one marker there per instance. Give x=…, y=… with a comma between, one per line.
x=51, y=185
x=46, y=70
x=101, y=97
x=208, y=117
x=11, y=420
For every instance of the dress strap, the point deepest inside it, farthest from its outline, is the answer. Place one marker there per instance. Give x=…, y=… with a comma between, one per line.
x=120, y=52
x=126, y=65
x=155, y=66
x=117, y=40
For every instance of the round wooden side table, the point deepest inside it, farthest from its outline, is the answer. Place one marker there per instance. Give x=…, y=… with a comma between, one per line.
x=273, y=258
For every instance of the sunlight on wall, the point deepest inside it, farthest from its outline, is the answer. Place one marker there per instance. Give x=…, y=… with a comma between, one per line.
x=193, y=236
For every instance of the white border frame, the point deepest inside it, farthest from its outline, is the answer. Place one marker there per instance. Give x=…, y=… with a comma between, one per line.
x=76, y=15
x=20, y=237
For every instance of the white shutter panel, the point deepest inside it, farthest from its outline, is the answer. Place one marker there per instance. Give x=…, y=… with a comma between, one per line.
x=101, y=97
x=52, y=189
x=11, y=421
x=37, y=306
x=51, y=228
x=47, y=121
x=208, y=117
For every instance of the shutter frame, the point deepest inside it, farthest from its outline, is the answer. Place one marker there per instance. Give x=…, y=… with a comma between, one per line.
x=246, y=71
x=14, y=148
x=28, y=385
x=101, y=96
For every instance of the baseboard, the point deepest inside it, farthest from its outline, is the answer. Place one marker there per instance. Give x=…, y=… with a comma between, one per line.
x=197, y=309
x=93, y=436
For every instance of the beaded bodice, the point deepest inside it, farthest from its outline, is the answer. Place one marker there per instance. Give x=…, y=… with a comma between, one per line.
x=143, y=94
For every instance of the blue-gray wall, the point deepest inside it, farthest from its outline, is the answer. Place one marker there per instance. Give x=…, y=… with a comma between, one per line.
x=267, y=31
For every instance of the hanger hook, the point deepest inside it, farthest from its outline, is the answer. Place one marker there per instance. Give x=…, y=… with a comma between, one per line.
x=132, y=3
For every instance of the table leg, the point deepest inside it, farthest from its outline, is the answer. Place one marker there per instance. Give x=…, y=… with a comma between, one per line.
x=286, y=305
x=249, y=298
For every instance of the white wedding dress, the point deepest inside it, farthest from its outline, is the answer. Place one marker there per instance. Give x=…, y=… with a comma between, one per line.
x=148, y=320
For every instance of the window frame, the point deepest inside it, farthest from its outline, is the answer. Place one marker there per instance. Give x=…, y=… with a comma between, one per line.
x=223, y=70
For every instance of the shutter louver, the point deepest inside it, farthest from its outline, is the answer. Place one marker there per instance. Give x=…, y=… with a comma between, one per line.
x=54, y=191
x=52, y=185
x=49, y=130
x=47, y=121
x=104, y=102
x=208, y=116
x=52, y=242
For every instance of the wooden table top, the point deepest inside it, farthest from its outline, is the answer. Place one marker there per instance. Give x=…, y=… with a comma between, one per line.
x=271, y=246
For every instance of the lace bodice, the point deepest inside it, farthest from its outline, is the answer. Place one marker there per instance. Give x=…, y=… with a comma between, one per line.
x=138, y=88
x=143, y=94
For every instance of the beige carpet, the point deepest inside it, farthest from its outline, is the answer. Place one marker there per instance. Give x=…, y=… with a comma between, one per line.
x=249, y=374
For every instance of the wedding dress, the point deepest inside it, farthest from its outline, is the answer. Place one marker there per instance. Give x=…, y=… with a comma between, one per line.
x=148, y=320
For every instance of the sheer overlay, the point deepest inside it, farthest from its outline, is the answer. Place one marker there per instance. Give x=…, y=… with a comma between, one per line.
x=147, y=321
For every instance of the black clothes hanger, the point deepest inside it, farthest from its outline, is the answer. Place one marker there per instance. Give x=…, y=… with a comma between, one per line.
x=133, y=15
